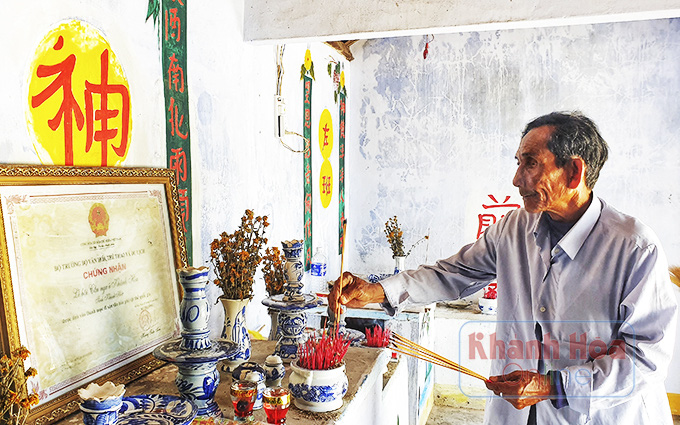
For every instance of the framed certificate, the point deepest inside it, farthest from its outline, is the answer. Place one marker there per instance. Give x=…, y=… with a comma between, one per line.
x=87, y=274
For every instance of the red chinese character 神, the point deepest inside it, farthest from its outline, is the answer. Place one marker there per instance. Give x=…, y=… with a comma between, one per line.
x=175, y=120
x=184, y=207
x=172, y=21
x=103, y=114
x=69, y=106
x=178, y=162
x=175, y=75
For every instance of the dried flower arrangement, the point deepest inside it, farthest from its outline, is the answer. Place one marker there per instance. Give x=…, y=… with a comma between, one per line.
x=378, y=337
x=395, y=237
x=14, y=402
x=273, y=270
x=323, y=352
x=490, y=292
x=236, y=256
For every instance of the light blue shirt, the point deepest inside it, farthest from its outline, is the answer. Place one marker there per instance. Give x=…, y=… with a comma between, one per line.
x=602, y=297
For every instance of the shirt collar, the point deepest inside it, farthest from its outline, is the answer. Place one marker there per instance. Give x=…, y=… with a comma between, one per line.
x=571, y=242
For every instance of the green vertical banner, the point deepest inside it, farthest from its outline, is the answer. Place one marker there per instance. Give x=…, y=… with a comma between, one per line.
x=341, y=168
x=178, y=142
x=307, y=134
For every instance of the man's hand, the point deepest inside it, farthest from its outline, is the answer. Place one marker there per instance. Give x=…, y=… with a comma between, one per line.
x=356, y=292
x=521, y=388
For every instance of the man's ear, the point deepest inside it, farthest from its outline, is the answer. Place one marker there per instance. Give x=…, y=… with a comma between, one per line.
x=576, y=172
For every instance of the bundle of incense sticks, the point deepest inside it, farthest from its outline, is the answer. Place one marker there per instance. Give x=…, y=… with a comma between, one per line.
x=378, y=337
x=404, y=346
x=324, y=352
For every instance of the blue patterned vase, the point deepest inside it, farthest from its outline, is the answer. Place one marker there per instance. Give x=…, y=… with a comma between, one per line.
x=292, y=250
x=318, y=390
x=235, y=331
x=194, y=309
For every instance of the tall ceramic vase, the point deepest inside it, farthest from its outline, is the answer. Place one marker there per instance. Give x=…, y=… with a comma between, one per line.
x=235, y=331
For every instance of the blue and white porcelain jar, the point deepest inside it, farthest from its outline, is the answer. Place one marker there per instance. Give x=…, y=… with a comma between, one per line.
x=251, y=371
x=318, y=390
x=274, y=371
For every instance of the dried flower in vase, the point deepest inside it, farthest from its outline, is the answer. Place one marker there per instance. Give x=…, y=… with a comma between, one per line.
x=395, y=237
x=15, y=403
x=323, y=352
x=236, y=256
x=273, y=270
x=378, y=337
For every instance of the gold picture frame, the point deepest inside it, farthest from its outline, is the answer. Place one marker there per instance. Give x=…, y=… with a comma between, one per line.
x=87, y=275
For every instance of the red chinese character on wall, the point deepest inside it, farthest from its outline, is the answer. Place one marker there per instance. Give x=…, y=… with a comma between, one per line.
x=103, y=114
x=487, y=219
x=69, y=108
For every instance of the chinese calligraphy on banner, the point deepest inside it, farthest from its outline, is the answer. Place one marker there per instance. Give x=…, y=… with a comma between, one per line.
x=178, y=142
x=79, y=99
x=307, y=74
x=341, y=165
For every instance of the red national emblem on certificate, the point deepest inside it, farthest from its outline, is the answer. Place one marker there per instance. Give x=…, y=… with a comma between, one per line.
x=99, y=219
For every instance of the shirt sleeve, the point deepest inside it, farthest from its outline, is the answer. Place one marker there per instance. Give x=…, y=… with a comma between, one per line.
x=458, y=276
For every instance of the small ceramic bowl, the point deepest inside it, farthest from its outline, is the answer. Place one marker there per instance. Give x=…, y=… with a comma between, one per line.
x=488, y=305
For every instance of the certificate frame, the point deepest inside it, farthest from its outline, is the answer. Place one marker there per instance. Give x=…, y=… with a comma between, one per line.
x=22, y=182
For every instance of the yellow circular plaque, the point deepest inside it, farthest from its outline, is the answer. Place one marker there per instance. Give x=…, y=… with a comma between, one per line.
x=78, y=99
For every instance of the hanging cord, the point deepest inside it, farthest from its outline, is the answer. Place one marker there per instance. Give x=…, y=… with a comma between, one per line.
x=428, y=40
x=279, y=83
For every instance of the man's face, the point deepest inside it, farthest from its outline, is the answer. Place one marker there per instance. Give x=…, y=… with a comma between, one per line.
x=542, y=185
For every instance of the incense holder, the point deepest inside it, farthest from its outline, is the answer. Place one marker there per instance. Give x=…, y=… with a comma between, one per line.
x=318, y=390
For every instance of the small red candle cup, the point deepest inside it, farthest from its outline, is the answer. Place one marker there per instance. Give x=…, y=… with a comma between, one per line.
x=276, y=402
x=243, y=396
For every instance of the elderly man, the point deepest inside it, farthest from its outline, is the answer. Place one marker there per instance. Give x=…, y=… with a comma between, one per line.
x=586, y=283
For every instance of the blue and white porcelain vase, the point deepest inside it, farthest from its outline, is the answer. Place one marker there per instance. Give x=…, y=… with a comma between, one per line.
x=318, y=390
x=292, y=250
x=235, y=331
x=194, y=310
